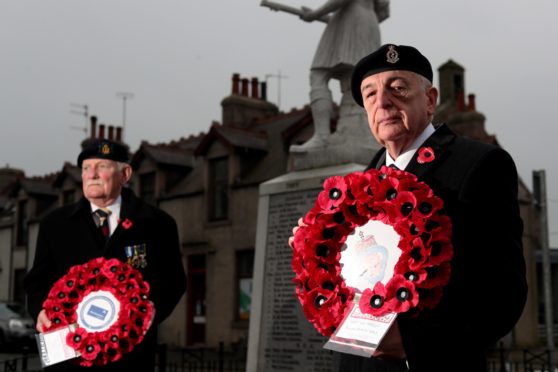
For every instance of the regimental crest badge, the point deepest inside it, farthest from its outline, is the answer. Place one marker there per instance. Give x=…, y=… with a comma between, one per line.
x=105, y=149
x=392, y=55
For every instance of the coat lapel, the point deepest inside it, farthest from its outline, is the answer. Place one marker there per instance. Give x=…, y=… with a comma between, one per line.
x=438, y=142
x=82, y=211
x=130, y=213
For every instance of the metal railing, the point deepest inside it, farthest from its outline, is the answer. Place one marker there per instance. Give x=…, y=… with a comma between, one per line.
x=520, y=360
x=232, y=358
x=202, y=359
x=24, y=362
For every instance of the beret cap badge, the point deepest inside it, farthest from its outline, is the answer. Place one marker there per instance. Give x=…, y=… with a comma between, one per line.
x=105, y=149
x=392, y=55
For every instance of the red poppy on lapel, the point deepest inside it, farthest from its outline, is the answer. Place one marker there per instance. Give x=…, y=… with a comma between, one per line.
x=127, y=224
x=426, y=155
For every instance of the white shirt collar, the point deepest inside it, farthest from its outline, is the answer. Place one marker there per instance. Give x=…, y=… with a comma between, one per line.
x=404, y=158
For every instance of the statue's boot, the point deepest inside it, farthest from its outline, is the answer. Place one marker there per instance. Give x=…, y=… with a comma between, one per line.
x=321, y=113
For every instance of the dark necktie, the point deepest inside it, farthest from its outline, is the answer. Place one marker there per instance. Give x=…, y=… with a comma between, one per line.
x=392, y=165
x=103, y=223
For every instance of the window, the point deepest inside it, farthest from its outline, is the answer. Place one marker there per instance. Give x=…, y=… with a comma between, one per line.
x=147, y=187
x=244, y=273
x=195, y=330
x=22, y=228
x=218, y=189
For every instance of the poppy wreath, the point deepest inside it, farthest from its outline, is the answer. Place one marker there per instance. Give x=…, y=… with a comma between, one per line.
x=395, y=198
x=133, y=318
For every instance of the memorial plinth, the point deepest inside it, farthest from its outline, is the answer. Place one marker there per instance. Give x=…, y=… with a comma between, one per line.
x=281, y=338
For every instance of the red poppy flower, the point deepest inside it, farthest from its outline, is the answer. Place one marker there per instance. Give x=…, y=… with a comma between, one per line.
x=385, y=212
x=333, y=194
x=374, y=301
x=326, y=252
x=77, y=338
x=90, y=351
x=352, y=214
x=405, y=203
x=127, y=224
x=402, y=294
x=324, y=280
x=310, y=217
x=437, y=276
x=360, y=186
x=425, y=155
x=314, y=266
x=416, y=256
x=440, y=250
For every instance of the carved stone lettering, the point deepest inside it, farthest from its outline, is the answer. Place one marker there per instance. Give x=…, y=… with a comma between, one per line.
x=288, y=342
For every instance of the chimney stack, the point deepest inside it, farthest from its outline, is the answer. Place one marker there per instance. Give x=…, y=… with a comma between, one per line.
x=246, y=103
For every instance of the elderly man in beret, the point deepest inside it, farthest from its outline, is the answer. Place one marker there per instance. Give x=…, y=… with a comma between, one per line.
x=478, y=183
x=76, y=233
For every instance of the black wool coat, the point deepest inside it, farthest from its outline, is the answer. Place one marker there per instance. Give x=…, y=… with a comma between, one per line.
x=487, y=290
x=68, y=236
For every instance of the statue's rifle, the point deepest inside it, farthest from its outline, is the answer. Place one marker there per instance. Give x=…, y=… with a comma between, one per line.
x=289, y=9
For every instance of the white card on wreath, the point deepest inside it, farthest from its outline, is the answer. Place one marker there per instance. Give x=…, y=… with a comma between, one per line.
x=359, y=333
x=53, y=347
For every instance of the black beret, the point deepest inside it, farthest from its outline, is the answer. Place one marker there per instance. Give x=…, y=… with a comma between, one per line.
x=387, y=58
x=103, y=149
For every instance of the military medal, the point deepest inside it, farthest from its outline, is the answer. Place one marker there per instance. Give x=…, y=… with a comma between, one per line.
x=136, y=256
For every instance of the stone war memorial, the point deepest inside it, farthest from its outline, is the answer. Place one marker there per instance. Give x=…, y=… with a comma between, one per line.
x=280, y=336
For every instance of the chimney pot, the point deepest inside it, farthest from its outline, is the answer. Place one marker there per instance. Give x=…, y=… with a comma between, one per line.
x=119, y=134
x=111, y=132
x=93, y=120
x=235, y=81
x=102, y=131
x=244, y=87
x=263, y=88
x=472, y=104
x=255, y=93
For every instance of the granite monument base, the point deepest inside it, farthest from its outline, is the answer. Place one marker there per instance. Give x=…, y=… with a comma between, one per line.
x=280, y=337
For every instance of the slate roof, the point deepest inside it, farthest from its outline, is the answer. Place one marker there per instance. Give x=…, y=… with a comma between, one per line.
x=39, y=186
x=233, y=137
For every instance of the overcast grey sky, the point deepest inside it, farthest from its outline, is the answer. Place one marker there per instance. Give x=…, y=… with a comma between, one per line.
x=177, y=58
